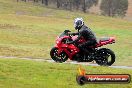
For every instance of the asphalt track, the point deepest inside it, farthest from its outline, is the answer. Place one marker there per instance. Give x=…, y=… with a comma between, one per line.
x=68, y=62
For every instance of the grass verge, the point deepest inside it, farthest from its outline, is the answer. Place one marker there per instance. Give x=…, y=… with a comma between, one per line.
x=31, y=74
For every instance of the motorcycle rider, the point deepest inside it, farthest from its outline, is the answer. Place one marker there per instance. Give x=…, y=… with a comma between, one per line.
x=83, y=32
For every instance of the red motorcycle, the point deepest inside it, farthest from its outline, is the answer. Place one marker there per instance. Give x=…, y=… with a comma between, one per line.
x=62, y=51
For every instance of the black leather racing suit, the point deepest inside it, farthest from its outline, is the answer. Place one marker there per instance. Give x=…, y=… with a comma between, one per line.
x=88, y=35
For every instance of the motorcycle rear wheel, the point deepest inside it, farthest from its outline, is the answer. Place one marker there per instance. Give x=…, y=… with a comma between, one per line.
x=58, y=58
x=106, y=57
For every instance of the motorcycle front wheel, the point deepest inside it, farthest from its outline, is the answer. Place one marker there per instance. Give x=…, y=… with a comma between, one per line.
x=58, y=58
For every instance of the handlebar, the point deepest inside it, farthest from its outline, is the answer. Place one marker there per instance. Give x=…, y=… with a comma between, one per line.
x=66, y=31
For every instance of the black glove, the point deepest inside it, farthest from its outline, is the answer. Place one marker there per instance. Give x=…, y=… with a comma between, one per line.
x=66, y=31
x=71, y=34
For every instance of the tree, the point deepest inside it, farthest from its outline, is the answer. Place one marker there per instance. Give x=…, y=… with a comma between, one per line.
x=42, y=1
x=36, y=1
x=84, y=6
x=90, y=3
x=23, y=0
x=58, y=3
x=46, y=2
x=87, y=4
x=114, y=7
x=65, y=4
x=77, y=3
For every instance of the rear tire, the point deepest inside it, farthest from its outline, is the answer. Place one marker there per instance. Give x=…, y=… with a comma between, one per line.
x=58, y=58
x=106, y=57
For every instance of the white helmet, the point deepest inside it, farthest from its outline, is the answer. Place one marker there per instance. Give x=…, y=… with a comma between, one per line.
x=78, y=23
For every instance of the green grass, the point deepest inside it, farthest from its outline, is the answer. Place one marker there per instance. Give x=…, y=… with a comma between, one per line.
x=30, y=30
x=16, y=73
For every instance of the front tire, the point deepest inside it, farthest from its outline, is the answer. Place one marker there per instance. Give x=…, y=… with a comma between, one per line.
x=58, y=58
x=106, y=57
